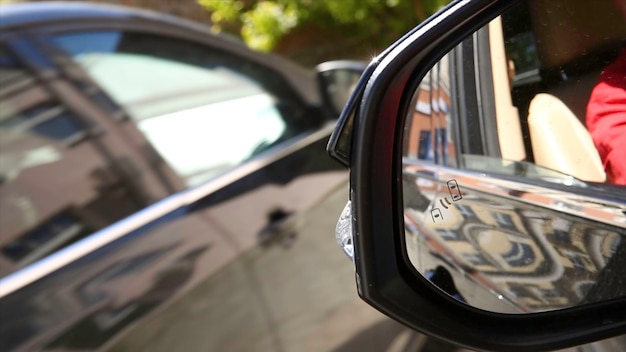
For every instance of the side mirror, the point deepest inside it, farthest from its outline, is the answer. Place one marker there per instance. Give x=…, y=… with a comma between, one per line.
x=485, y=209
x=337, y=80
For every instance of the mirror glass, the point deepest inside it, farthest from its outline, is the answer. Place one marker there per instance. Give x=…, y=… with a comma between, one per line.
x=514, y=160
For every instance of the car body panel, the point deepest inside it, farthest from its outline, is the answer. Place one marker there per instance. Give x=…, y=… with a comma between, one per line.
x=243, y=257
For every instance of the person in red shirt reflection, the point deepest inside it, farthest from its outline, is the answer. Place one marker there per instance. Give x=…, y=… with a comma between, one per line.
x=606, y=119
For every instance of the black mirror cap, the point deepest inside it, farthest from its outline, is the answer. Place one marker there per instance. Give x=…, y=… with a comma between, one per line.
x=385, y=278
x=327, y=68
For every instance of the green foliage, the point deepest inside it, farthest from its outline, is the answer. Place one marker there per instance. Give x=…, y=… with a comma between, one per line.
x=222, y=11
x=262, y=24
x=266, y=24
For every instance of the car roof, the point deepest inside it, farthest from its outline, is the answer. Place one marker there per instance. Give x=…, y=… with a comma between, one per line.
x=28, y=14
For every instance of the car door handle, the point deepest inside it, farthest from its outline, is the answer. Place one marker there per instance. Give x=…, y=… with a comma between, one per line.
x=282, y=228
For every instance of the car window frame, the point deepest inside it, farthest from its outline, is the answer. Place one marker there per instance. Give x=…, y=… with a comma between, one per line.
x=229, y=46
x=312, y=116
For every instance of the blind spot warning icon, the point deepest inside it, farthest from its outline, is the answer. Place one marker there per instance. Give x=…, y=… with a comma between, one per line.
x=436, y=214
x=455, y=191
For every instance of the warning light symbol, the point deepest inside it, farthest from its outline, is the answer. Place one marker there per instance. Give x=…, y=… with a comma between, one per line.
x=455, y=193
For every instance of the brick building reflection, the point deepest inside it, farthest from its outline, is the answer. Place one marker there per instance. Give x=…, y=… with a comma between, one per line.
x=427, y=136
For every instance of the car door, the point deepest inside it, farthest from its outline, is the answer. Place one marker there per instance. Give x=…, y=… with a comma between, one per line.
x=212, y=177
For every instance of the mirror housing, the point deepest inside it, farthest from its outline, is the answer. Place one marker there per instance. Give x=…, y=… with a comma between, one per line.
x=368, y=138
x=336, y=81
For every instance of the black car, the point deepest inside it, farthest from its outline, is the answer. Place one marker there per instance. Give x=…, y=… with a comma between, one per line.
x=487, y=207
x=164, y=188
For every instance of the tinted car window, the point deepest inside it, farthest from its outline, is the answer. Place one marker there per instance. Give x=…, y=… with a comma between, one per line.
x=56, y=186
x=203, y=111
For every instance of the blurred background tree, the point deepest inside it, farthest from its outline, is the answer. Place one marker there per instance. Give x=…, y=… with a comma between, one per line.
x=307, y=31
x=311, y=31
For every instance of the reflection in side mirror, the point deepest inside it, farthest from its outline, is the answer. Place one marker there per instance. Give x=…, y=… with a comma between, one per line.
x=502, y=183
x=461, y=205
x=337, y=80
x=511, y=247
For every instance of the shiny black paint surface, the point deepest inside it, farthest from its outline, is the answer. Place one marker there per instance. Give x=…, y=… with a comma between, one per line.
x=246, y=261
x=86, y=303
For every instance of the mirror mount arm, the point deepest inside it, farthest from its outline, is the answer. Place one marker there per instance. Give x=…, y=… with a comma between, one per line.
x=326, y=70
x=340, y=143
